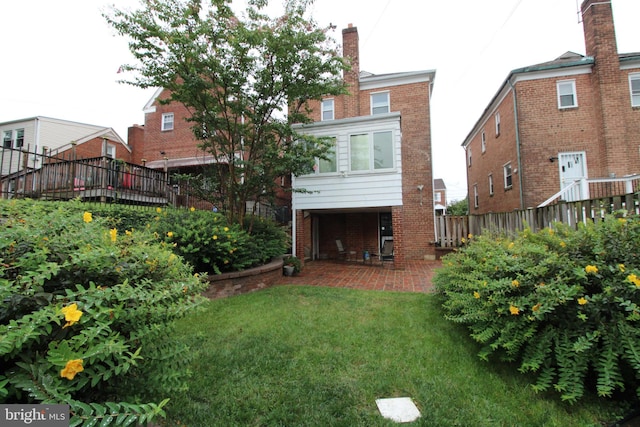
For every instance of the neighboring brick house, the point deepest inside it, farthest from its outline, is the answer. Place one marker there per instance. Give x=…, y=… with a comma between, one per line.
x=377, y=184
x=439, y=196
x=62, y=138
x=553, y=123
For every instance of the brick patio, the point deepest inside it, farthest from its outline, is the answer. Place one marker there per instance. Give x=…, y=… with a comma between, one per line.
x=416, y=277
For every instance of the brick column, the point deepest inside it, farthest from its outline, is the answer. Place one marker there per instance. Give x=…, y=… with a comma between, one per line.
x=397, y=219
x=300, y=235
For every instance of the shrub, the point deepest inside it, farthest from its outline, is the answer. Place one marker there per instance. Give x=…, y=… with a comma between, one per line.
x=84, y=312
x=562, y=303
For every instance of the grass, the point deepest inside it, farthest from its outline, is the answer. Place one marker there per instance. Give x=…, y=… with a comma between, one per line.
x=308, y=356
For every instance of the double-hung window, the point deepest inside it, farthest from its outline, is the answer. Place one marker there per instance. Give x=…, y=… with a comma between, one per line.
x=13, y=138
x=634, y=87
x=167, y=121
x=508, y=176
x=330, y=163
x=371, y=151
x=483, y=141
x=19, y=142
x=490, y=184
x=328, y=112
x=7, y=139
x=476, y=196
x=567, y=94
x=497, y=120
x=380, y=103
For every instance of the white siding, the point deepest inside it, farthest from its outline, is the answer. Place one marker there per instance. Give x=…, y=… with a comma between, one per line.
x=347, y=189
x=55, y=134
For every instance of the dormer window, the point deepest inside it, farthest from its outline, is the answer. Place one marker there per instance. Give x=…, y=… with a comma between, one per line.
x=328, y=112
x=167, y=121
x=380, y=103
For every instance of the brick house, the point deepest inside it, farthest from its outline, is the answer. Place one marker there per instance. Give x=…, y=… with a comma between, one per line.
x=553, y=123
x=377, y=184
x=439, y=196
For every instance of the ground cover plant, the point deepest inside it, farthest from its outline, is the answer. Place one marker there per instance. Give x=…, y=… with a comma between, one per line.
x=85, y=309
x=561, y=303
x=310, y=356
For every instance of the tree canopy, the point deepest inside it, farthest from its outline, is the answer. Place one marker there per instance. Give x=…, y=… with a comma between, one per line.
x=244, y=77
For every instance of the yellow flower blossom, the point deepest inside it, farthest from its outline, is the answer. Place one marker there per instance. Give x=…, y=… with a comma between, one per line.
x=470, y=236
x=87, y=217
x=128, y=233
x=515, y=283
x=536, y=307
x=563, y=244
x=511, y=245
x=215, y=237
x=170, y=234
x=71, y=314
x=634, y=279
x=591, y=269
x=71, y=369
x=582, y=301
x=113, y=234
x=192, y=209
x=621, y=268
x=514, y=310
x=226, y=229
x=476, y=294
x=159, y=210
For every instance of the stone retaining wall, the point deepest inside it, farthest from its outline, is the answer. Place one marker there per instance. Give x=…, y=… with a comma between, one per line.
x=241, y=282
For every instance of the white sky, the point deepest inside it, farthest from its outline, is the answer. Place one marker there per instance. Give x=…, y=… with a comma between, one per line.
x=60, y=58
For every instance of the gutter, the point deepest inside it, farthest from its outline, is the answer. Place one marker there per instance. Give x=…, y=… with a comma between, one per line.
x=517, y=131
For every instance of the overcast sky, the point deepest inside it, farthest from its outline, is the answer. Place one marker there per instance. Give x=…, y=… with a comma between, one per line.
x=60, y=59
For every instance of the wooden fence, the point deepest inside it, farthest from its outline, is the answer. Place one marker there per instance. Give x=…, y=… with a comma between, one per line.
x=451, y=230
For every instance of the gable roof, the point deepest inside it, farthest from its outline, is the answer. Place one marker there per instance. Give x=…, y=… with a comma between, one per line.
x=438, y=184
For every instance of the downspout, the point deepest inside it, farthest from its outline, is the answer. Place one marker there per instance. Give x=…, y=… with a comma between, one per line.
x=517, y=131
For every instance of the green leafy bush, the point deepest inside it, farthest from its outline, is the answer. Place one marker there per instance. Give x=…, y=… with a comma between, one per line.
x=85, y=308
x=563, y=303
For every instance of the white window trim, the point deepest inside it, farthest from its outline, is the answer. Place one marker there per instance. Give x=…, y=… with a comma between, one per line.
x=163, y=125
x=476, y=196
x=388, y=101
x=491, y=187
x=574, y=92
x=372, y=168
x=327, y=102
x=632, y=77
x=497, y=120
x=504, y=175
x=469, y=157
x=483, y=142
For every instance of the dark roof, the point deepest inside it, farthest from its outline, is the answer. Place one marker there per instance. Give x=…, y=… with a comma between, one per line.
x=438, y=184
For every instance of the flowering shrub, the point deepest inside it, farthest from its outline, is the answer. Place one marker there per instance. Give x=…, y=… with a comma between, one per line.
x=85, y=307
x=564, y=304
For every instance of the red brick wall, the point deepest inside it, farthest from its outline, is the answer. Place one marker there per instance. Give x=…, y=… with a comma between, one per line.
x=93, y=148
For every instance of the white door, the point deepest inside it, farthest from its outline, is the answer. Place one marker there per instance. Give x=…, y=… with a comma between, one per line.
x=573, y=167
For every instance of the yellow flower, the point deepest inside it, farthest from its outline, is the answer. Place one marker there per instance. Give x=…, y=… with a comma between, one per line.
x=515, y=283
x=511, y=245
x=514, y=310
x=536, y=307
x=192, y=209
x=113, y=233
x=128, y=233
x=582, y=301
x=634, y=279
x=226, y=229
x=215, y=237
x=622, y=220
x=591, y=269
x=170, y=234
x=87, y=217
x=621, y=268
x=470, y=236
x=71, y=314
x=71, y=369
x=476, y=294
x=563, y=244
x=159, y=210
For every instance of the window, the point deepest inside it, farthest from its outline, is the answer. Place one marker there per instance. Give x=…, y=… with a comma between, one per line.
x=6, y=139
x=327, y=109
x=634, y=86
x=438, y=197
x=490, y=184
x=508, y=178
x=380, y=103
x=330, y=164
x=476, y=196
x=371, y=151
x=484, y=142
x=19, y=138
x=111, y=151
x=167, y=121
x=497, y=119
x=567, y=94
x=469, y=156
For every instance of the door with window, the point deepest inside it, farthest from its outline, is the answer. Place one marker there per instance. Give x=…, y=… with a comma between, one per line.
x=573, y=167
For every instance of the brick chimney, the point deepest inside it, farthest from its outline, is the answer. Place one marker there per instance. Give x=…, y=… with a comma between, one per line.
x=351, y=52
x=609, y=87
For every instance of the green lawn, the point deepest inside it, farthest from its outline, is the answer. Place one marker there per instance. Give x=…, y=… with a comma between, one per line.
x=296, y=356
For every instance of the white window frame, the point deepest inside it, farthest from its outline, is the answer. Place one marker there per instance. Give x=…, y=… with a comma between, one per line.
x=7, y=139
x=469, y=157
x=491, y=189
x=372, y=151
x=166, y=123
x=332, y=152
x=507, y=172
x=437, y=197
x=483, y=141
x=561, y=89
x=476, y=196
x=110, y=151
x=328, y=110
x=377, y=107
x=15, y=138
x=635, y=94
x=497, y=120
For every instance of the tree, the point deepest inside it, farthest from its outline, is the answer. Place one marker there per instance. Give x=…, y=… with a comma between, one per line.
x=458, y=207
x=244, y=80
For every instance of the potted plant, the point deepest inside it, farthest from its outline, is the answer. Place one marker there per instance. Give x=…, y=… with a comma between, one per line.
x=291, y=265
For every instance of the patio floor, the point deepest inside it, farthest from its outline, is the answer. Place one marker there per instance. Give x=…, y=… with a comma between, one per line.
x=416, y=277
